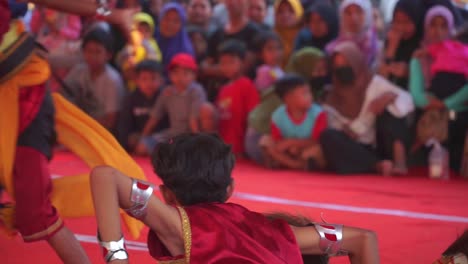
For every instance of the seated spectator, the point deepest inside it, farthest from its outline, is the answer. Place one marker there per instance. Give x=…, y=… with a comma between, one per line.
x=322, y=27
x=199, y=15
x=171, y=35
x=438, y=83
x=239, y=28
x=356, y=25
x=311, y=64
x=257, y=13
x=235, y=99
x=94, y=86
x=403, y=39
x=137, y=105
x=288, y=23
x=295, y=127
x=368, y=132
x=270, y=52
x=144, y=24
x=141, y=46
x=182, y=102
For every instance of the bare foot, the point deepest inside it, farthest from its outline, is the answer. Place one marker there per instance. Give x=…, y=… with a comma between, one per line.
x=385, y=167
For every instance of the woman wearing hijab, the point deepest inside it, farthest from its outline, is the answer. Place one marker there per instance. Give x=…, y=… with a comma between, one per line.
x=356, y=25
x=310, y=63
x=403, y=39
x=455, y=10
x=365, y=111
x=321, y=27
x=438, y=83
x=288, y=23
x=172, y=36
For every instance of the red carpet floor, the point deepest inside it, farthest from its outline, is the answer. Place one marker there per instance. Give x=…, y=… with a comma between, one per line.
x=416, y=218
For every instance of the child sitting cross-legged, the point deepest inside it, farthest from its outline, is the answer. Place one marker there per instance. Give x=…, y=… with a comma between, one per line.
x=196, y=225
x=295, y=127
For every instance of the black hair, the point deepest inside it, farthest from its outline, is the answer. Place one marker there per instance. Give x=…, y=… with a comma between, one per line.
x=100, y=36
x=233, y=47
x=458, y=246
x=262, y=39
x=195, y=167
x=288, y=83
x=148, y=66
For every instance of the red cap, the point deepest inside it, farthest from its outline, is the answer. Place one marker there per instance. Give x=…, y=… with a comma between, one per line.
x=183, y=60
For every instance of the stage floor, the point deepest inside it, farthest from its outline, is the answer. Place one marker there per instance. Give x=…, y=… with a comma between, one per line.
x=415, y=218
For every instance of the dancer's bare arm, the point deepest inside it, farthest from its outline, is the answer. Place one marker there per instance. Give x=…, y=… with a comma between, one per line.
x=361, y=245
x=111, y=191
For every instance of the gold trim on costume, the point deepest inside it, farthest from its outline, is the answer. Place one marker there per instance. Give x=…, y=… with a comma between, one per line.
x=51, y=229
x=187, y=233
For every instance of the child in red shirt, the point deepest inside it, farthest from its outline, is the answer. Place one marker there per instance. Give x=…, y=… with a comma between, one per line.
x=237, y=98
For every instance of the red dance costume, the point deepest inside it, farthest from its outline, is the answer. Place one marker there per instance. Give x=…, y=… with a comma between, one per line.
x=230, y=234
x=35, y=218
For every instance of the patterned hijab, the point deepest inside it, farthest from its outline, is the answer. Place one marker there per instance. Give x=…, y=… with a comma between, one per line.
x=366, y=39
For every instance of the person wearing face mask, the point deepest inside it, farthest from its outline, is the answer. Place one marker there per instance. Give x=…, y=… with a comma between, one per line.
x=367, y=132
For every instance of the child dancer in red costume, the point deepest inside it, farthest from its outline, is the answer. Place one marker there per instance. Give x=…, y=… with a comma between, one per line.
x=196, y=225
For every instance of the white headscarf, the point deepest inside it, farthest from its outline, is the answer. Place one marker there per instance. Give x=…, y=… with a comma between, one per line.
x=366, y=7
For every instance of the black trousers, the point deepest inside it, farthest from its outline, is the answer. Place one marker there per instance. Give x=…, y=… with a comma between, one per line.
x=344, y=155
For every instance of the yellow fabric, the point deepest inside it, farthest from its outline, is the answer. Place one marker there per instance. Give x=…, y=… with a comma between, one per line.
x=16, y=28
x=96, y=146
x=77, y=131
x=36, y=71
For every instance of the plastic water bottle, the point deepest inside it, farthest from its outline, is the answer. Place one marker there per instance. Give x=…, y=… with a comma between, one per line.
x=438, y=161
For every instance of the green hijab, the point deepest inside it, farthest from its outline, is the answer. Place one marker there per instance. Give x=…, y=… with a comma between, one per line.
x=304, y=61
